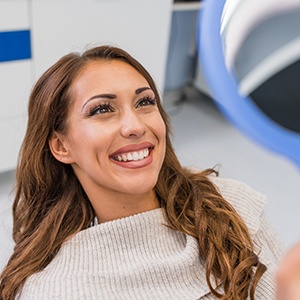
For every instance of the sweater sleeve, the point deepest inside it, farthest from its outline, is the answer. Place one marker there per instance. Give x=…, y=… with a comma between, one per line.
x=250, y=203
x=269, y=249
x=267, y=241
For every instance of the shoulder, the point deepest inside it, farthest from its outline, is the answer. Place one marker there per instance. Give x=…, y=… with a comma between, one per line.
x=248, y=202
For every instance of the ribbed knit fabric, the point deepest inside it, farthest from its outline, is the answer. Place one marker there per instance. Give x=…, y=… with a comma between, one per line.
x=138, y=257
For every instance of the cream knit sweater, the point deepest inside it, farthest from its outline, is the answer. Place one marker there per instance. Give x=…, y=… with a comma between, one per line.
x=139, y=258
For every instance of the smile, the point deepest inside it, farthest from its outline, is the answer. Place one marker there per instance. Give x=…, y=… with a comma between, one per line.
x=133, y=156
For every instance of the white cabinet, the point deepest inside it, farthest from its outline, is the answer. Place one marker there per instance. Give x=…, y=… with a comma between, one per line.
x=59, y=26
x=15, y=83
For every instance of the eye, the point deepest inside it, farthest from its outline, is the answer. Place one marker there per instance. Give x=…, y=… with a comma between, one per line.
x=146, y=101
x=101, y=109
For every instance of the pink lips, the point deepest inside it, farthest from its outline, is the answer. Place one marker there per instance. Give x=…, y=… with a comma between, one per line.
x=134, y=164
x=132, y=148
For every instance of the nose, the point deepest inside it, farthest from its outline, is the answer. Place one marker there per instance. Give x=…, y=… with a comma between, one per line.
x=132, y=124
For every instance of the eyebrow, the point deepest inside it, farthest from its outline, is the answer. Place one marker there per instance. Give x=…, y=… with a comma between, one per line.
x=140, y=90
x=113, y=96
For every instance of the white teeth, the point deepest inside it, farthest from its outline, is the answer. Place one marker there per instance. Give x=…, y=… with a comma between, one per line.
x=133, y=156
x=140, y=155
x=146, y=152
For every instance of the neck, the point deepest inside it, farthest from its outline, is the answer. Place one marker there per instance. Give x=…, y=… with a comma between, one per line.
x=122, y=206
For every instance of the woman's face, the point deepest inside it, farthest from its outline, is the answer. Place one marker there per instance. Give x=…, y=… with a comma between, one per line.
x=115, y=134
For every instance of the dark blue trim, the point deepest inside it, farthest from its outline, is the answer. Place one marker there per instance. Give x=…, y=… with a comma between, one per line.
x=15, y=45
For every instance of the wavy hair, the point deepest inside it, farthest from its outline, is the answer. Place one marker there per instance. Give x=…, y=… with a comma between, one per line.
x=50, y=205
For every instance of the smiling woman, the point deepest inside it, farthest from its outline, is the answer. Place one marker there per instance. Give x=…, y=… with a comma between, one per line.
x=104, y=210
x=112, y=121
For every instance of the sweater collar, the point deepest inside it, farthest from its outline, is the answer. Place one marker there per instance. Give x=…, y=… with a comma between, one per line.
x=141, y=251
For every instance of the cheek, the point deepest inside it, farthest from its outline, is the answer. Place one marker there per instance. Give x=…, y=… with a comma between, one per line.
x=161, y=128
x=89, y=137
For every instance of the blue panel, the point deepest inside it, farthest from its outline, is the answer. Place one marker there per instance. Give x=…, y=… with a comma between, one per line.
x=15, y=45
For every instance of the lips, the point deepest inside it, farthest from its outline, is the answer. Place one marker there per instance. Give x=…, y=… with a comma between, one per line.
x=136, y=155
x=132, y=153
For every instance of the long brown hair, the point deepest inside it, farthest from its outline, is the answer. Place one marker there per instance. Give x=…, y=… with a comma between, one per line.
x=50, y=205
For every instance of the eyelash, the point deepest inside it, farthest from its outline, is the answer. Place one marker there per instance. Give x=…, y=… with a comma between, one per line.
x=145, y=101
x=98, y=108
x=150, y=101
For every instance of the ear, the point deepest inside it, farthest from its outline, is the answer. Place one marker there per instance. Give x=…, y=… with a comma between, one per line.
x=59, y=148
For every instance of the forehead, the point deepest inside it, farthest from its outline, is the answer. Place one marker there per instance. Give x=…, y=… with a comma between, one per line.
x=106, y=76
x=108, y=71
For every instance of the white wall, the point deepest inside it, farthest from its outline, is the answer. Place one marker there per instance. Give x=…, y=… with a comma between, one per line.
x=15, y=82
x=6, y=199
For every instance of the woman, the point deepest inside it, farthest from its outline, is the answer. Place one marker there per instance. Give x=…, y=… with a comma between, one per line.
x=104, y=210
